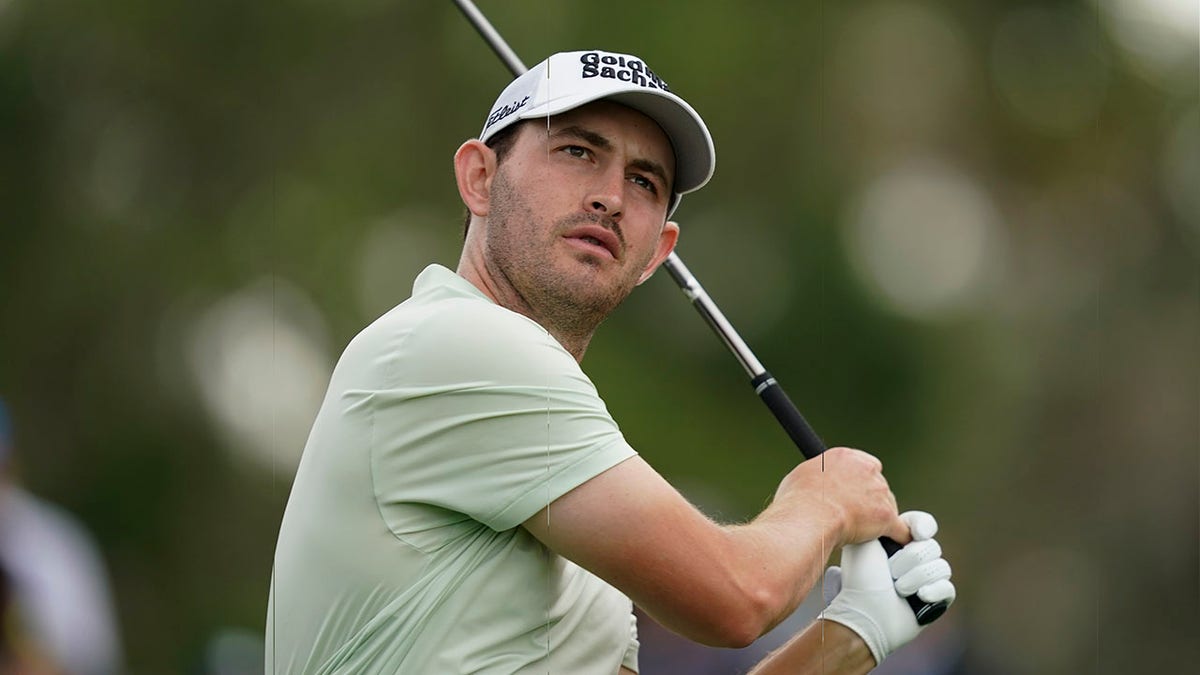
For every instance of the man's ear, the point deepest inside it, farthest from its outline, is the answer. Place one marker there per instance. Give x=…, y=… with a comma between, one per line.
x=474, y=166
x=666, y=244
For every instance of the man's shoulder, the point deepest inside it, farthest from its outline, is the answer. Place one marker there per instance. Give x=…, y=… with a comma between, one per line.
x=444, y=304
x=466, y=322
x=455, y=337
x=478, y=330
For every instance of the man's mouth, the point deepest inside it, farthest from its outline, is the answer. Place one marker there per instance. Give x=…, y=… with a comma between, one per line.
x=598, y=239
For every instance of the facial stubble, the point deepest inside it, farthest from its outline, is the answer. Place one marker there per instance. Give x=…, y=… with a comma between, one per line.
x=567, y=295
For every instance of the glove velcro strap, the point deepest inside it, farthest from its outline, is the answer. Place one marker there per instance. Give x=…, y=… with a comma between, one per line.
x=862, y=624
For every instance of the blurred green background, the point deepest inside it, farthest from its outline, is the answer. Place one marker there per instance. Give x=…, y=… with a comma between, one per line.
x=965, y=238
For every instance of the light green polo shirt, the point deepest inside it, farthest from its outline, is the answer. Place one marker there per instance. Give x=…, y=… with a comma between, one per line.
x=448, y=422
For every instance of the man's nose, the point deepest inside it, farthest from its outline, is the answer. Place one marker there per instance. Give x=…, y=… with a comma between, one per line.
x=605, y=196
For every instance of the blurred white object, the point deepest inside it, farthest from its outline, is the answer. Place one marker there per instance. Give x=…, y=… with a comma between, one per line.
x=58, y=581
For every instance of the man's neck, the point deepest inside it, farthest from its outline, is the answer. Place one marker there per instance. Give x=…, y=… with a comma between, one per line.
x=494, y=286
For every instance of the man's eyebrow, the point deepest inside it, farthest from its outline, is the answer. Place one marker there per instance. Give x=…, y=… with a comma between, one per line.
x=584, y=135
x=654, y=168
x=601, y=142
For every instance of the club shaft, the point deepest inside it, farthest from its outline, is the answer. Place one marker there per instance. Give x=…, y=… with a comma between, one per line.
x=492, y=37
x=767, y=388
x=712, y=314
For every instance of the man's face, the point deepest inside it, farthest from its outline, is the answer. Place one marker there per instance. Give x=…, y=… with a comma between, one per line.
x=577, y=211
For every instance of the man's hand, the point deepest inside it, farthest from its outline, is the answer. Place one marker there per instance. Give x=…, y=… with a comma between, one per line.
x=868, y=590
x=846, y=488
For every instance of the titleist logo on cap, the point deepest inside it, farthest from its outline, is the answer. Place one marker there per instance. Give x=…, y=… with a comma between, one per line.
x=504, y=111
x=614, y=67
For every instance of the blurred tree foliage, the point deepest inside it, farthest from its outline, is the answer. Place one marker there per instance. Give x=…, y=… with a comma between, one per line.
x=159, y=156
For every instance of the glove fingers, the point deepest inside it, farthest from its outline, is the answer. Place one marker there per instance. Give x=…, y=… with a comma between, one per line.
x=832, y=584
x=922, y=575
x=914, y=555
x=922, y=525
x=938, y=591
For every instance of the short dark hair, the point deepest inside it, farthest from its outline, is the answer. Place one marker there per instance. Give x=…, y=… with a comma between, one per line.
x=501, y=144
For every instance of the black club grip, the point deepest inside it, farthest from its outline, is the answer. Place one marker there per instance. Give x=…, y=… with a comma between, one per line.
x=788, y=415
x=811, y=445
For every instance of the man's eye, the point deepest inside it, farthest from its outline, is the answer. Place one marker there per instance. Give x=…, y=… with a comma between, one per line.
x=577, y=151
x=643, y=182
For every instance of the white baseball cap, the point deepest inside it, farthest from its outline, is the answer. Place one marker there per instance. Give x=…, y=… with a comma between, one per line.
x=568, y=80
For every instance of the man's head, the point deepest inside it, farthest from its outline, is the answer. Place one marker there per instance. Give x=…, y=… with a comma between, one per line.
x=568, y=80
x=569, y=197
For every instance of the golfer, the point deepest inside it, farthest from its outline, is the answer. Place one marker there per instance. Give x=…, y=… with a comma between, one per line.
x=466, y=504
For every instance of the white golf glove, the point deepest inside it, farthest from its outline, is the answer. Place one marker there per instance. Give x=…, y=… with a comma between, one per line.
x=866, y=594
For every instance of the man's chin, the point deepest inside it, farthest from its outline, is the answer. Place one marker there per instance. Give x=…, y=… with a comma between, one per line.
x=592, y=289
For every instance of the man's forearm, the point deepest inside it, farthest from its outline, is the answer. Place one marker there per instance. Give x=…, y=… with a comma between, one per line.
x=824, y=647
x=786, y=548
x=718, y=585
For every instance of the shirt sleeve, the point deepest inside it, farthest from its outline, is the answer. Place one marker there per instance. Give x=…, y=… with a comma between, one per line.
x=484, y=414
x=630, y=660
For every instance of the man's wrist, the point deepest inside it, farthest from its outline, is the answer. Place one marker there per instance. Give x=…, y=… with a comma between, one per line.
x=815, y=514
x=846, y=647
x=862, y=625
x=824, y=648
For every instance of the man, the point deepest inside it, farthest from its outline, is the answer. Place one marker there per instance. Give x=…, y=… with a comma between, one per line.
x=465, y=503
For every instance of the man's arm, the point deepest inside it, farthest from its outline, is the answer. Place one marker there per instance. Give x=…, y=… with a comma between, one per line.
x=824, y=647
x=714, y=584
